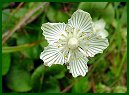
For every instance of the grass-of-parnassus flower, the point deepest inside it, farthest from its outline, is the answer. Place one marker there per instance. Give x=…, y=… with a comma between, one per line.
x=99, y=27
x=74, y=42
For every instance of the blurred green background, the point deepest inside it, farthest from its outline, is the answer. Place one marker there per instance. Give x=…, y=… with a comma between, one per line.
x=22, y=43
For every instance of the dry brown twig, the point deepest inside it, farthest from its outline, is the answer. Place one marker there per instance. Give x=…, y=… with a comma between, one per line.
x=67, y=88
x=93, y=84
x=21, y=22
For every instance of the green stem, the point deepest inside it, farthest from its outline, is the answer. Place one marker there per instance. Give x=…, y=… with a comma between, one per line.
x=122, y=64
x=19, y=48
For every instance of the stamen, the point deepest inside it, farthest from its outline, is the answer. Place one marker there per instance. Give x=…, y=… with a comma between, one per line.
x=81, y=38
x=74, y=32
x=79, y=33
x=64, y=33
x=81, y=50
x=69, y=55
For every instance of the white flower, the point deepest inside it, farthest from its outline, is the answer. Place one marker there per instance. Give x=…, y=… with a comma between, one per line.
x=99, y=27
x=72, y=43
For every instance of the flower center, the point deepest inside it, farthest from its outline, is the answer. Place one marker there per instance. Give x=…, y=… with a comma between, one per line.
x=73, y=43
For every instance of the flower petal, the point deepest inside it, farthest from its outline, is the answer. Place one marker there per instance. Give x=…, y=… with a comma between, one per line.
x=99, y=27
x=93, y=45
x=103, y=33
x=100, y=24
x=52, y=55
x=78, y=67
x=81, y=20
x=53, y=31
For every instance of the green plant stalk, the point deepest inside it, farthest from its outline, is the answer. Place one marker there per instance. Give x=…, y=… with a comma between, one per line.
x=121, y=64
x=120, y=69
x=19, y=48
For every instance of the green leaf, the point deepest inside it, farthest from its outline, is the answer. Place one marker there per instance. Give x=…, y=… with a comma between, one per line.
x=57, y=71
x=52, y=86
x=56, y=15
x=94, y=8
x=98, y=9
x=108, y=14
x=51, y=14
x=5, y=5
x=20, y=13
x=44, y=43
x=37, y=77
x=82, y=85
x=32, y=52
x=28, y=64
x=90, y=5
x=62, y=17
x=5, y=14
x=123, y=19
x=6, y=17
x=5, y=63
x=18, y=79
